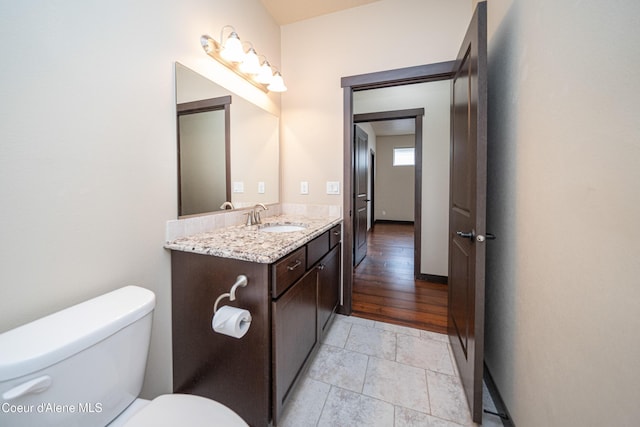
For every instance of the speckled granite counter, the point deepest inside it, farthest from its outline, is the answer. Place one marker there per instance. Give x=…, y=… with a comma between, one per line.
x=249, y=243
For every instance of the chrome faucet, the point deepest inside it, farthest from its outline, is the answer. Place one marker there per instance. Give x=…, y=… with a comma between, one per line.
x=227, y=205
x=253, y=216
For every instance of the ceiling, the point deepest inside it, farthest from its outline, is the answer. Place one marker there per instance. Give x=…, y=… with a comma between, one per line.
x=289, y=11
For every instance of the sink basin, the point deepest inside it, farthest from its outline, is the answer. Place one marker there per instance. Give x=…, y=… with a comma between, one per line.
x=281, y=228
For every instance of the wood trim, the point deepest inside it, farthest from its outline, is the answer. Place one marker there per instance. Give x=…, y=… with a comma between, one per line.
x=201, y=105
x=392, y=221
x=347, y=203
x=372, y=184
x=397, y=77
x=417, y=206
x=227, y=147
x=443, y=280
x=388, y=115
x=400, y=76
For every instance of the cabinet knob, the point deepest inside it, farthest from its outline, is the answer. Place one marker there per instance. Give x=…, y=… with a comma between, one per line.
x=321, y=267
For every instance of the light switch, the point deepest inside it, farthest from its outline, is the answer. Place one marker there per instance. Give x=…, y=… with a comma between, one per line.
x=304, y=187
x=238, y=187
x=333, y=187
x=261, y=187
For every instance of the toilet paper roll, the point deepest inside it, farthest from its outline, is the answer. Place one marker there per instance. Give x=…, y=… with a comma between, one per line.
x=231, y=321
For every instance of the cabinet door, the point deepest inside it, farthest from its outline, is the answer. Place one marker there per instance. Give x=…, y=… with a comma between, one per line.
x=328, y=286
x=295, y=335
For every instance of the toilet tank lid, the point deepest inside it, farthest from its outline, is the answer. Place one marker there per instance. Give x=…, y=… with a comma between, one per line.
x=48, y=340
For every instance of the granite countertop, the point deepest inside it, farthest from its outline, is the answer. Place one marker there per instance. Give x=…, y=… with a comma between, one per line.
x=249, y=243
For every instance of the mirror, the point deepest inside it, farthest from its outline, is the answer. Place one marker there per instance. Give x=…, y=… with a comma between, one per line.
x=228, y=148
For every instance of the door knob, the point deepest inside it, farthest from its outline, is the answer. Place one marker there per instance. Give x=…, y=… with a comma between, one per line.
x=469, y=235
x=488, y=236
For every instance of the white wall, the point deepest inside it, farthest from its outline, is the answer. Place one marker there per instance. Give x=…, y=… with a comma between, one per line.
x=88, y=152
x=318, y=52
x=563, y=292
x=395, y=185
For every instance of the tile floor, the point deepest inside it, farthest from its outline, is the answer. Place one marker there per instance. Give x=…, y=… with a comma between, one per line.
x=372, y=374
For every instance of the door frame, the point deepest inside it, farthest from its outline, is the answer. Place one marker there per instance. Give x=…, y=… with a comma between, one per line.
x=416, y=114
x=372, y=185
x=402, y=76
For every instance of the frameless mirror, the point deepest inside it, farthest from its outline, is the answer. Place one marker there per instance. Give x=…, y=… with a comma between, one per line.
x=228, y=148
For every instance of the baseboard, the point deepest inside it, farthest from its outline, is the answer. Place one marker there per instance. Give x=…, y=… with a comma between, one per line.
x=501, y=408
x=433, y=278
x=392, y=221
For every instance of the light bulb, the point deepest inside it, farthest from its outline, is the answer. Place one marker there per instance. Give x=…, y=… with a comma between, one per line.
x=266, y=74
x=251, y=63
x=232, y=50
x=277, y=84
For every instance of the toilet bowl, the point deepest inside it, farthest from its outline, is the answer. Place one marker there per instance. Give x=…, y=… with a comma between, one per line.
x=84, y=366
x=170, y=410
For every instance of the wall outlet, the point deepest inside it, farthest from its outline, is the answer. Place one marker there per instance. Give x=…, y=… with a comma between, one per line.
x=261, y=187
x=304, y=187
x=238, y=187
x=333, y=187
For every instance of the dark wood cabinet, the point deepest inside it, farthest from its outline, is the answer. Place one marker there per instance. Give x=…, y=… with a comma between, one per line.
x=294, y=335
x=234, y=372
x=291, y=302
x=328, y=288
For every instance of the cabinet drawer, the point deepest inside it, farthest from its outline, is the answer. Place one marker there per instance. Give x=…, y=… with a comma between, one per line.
x=317, y=248
x=335, y=235
x=288, y=270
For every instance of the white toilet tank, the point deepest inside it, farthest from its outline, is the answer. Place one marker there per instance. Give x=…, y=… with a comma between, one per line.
x=81, y=366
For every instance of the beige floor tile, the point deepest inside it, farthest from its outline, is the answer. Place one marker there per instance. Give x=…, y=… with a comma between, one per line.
x=425, y=353
x=372, y=341
x=305, y=406
x=398, y=329
x=345, y=408
x=447, y=398
x=409, y=418
x=434, y=336
x=397, y=383
x=339, y=367
x=338, y=332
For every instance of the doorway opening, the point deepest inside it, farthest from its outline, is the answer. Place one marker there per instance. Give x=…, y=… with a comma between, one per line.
x=352, y=86
x=387, y=283
x=405, y=205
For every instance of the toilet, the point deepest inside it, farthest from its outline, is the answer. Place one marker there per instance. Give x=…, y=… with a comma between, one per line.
x=84, y=366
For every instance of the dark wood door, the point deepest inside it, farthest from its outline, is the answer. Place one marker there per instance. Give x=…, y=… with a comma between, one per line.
x=361, y=196
x=467, y=215
x=294, y=320
x=328, y=287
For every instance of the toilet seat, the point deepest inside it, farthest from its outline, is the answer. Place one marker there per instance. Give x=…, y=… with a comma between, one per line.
x=172, y=410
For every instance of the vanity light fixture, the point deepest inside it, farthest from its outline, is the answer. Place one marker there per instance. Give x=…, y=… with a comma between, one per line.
x=230, y=52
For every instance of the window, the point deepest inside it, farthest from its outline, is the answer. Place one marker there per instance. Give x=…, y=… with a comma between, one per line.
x=404, y=156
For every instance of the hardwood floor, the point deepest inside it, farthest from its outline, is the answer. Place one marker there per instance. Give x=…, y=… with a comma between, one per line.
x=384, y=288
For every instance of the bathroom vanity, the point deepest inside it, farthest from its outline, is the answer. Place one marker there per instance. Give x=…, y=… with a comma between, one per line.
x=292, y=293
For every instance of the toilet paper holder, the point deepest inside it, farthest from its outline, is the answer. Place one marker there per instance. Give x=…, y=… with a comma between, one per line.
x=241, y=282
